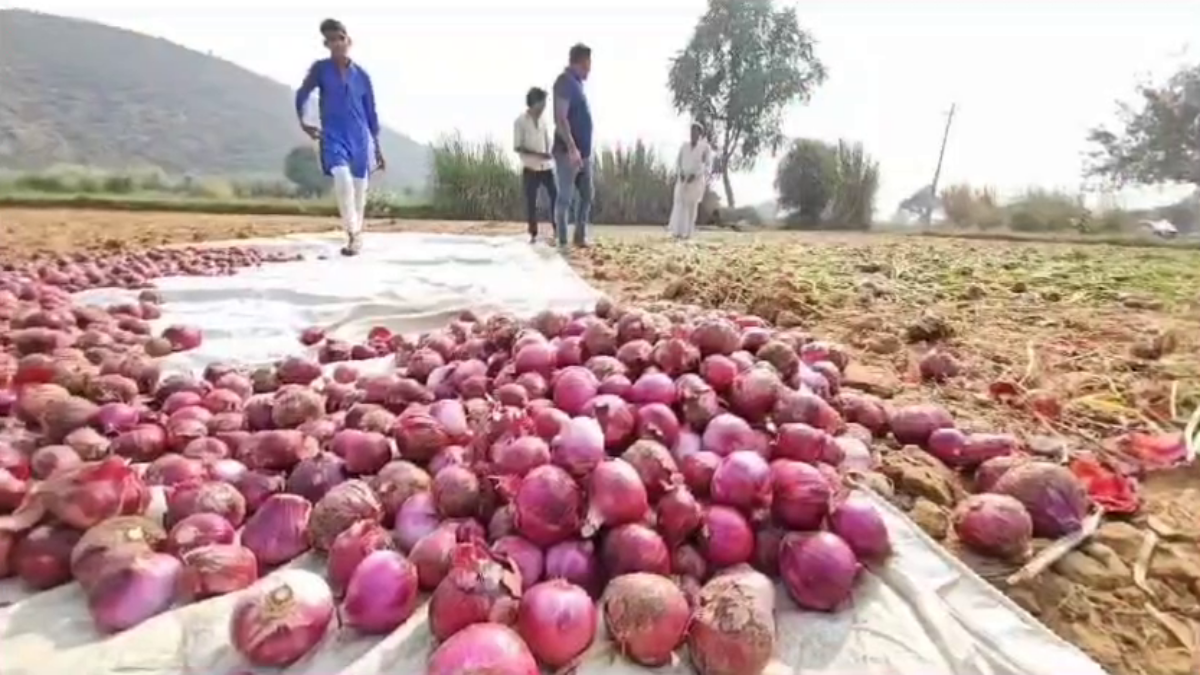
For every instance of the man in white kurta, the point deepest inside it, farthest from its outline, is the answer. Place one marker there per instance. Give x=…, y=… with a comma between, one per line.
x=692, y=169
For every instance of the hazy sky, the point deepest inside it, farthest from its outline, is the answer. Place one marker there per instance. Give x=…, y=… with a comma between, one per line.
x=1029, y=76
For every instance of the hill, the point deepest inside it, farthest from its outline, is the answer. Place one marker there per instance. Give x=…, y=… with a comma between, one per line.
x=78, y=92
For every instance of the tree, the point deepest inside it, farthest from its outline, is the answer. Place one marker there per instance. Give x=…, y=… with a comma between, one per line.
x=745, y=63
x=1159, y=141
x=302, y=167
x=806, y=180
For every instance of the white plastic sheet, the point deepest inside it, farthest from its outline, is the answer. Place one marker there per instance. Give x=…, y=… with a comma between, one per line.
x=924, y=613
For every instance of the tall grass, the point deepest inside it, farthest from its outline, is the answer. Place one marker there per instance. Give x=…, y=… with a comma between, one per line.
x=853, y=204
x=633, y=185
x=69, y=179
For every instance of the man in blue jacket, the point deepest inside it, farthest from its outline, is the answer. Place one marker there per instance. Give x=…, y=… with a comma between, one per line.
x=349, y=131
x=573, y=146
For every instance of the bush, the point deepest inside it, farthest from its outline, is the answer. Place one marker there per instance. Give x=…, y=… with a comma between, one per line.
x=857, y=182
x=1041, y=210
x=827, y=185
x=966, y=206
x=633, y=186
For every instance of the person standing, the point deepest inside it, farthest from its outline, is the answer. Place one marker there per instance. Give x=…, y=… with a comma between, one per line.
x=531, y=140
x=349, y=131
x=572, y=149
x=692, y=169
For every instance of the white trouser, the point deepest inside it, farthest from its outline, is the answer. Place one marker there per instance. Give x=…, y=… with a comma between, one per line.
x=351, y=196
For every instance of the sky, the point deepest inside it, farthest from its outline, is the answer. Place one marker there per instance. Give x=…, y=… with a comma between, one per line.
x=1028, y=77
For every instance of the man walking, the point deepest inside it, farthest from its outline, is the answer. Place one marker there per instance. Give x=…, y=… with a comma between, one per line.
x=692, y=168
x=349, y=131
x=531, y=140
x=573, y=147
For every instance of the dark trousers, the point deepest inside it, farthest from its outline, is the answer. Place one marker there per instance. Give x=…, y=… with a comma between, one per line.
x=531, y=181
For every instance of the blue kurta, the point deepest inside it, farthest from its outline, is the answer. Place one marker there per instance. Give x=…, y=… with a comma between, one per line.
x=348, y=119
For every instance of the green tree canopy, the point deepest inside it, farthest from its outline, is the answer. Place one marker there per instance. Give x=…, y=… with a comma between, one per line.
x=302, y=166
x=1159, y=138
x=745, y=63
x=806, y=179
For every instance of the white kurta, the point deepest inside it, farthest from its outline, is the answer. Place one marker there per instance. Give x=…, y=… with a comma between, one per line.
x=694, y=161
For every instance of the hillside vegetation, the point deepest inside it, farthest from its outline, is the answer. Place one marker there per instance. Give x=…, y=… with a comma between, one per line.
x=82, y=93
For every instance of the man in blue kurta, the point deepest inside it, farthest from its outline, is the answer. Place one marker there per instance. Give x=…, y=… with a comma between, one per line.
x=349, y=131
x=573, y=146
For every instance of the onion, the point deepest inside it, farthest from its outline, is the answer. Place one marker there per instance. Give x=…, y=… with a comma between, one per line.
x=801, y=495
x=818, y=570
x=257, y=486
x=653, y=387
x=519, y=455
x=49, y=460
x=341, y=507
x=754, y=393
x=457, y=492
x=194, y=497
x=994, y=525
x=382, y=593
x=315, y=476
x=115, y=418
x=733, y=628
x=84, y=496
x=575, y=561
x=527, y=557
x=281, y=618
x=679, y=515
x=278, y=449
x=800, y=442
x=351, y=547
x=727, y=433
x=174, y=469
x=654, y=464
x=990, y=471
x=123, y=536
x=616, y=417
x=634, y=548
x=579, y=447
x=864, y=409
x=128, y=594
x=549, y=422
x=364, y=452
x=199, y=529
x=726, y=539
x=395, y=483
x=1055, y=499
x=719, y=371
x=548, y=506
x=698, y=469
x=573, y=387
x=415, y=519
x=656, y=421
x=42, y=558
x=483, y=648
x=418, y=435
x=431, y=554
x=647, y=616
x=277, y=532
x=716, y=336
x=743, y=480
x=615, y=496
x=859, y=524
x=217, y=569
x=480, y=587
x=557, y=619
x=686, y=561
x=766, y=549
x=914, y=424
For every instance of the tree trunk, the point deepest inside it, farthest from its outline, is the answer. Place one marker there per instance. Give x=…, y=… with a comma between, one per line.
x=729, y=203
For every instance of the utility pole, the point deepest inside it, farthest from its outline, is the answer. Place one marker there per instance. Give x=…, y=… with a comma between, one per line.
x=937, y=173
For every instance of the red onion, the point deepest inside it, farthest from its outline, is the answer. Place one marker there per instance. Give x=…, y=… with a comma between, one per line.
x=457, y=492
x=122, y=537
x=415, y=519
x=859, y=524
x=654, y=464
x=616, y=418
x=679, y=515
x=419, y=436
x=569, y=351
x=688, y=562
x=395, y=483
x=281, y=618
x=766, y=549
x=480, y=587
x=84, y=496
x=818, y=569
x=538, y=357
x=431, y=554
x=278, y=449
x=634, y=548
x=647, y=616
x=277, y=532
x=115, y=418
x=351, y=547
x=914, y=424
x=557, y=619
x=227, y=471
x=199, y=529
x=994, y=525
x=575, y=561
x=1056, y=500
x=743, y=480
x=42, y=558
x=698, y=470
x=314, y=477
x=726, y=539
x=217, y=569
x=733, y=627
x=382, y=593
x=341, y=507
x=47, y=461
x=222, y=499
x=801, y=442
x=719, y=371
x=518, y=456
x=548, y=506
x=527, y=557
x=573, y=387
x=580, y=446
x=549, y=422
x=174, y=469
x=801, y=495
x=653, y=387
x=656, y=421
x=483, y=648
x=635, y=355
x=257, y=486
x=129, y=594
x=615, y=496
x=990, y=471
x=727, y=433
x=452, y=415
x=364, y=452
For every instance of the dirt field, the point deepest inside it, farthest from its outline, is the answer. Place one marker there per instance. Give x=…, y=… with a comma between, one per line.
x=1103, y=339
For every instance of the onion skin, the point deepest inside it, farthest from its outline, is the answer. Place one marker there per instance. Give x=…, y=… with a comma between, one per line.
x=395, y=483
x=818, y=569
x=483, y=648
x=277, y=532
x=557, y=620
x=382, y=593
x=281, y=618
x=647, y=615
x=733, y=628
x=217, y=569
x=123, y=536
x=527, y=557
x=199, y=529
x=479, y=588
x=341, y=507
x=129, y=594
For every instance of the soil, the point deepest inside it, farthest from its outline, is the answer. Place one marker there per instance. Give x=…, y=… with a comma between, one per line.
x=1100, y=341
